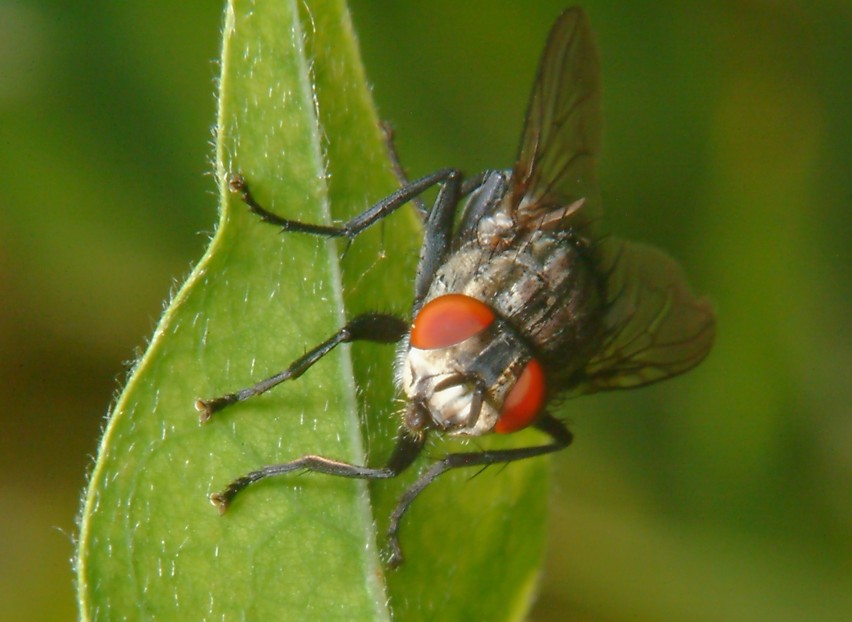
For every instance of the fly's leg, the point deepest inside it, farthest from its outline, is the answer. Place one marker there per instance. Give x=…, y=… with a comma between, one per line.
x=357, y=224
x=437, y=236
x=561, y=438
x=377, y=327
x=398, y=168
x=438, y=231
x=402, y=177
x=408, y=447
x=439, y=220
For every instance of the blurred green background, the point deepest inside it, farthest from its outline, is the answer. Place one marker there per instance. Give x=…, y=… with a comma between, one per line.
x=722, y=495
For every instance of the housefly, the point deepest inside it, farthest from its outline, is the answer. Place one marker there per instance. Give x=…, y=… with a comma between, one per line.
x=518, y=300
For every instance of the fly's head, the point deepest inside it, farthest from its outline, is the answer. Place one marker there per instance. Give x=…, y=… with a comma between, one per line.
x=465, y=373
x=443, y=395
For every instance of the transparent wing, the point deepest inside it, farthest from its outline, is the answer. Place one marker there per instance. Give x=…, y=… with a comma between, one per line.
x=655, y=328
x=556, y=166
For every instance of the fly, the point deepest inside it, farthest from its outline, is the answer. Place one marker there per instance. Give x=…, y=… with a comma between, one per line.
x=518, y=301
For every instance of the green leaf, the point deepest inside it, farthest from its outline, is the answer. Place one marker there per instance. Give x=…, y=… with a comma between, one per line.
x=296, y=118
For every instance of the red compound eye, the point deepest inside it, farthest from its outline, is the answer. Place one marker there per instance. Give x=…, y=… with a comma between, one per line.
x=448, y=320
x=524, y=400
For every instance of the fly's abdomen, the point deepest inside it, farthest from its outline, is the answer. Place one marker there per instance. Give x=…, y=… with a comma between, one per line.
x=562, y=316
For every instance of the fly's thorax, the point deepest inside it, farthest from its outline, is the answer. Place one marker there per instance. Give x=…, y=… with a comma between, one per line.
x=465, y=374
x=495, y=232
x=542, y=283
